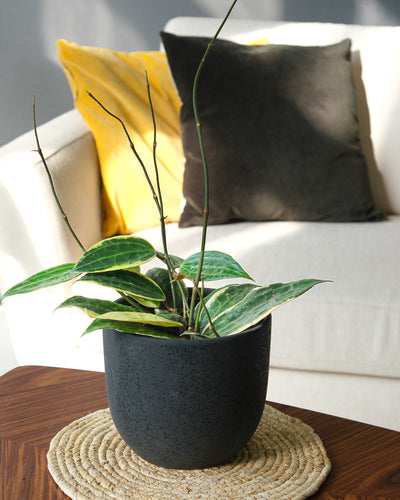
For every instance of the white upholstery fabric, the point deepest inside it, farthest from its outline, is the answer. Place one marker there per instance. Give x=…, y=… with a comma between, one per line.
x=349, y=326
x=26, y=197
x=34, y=237
x=373, y=400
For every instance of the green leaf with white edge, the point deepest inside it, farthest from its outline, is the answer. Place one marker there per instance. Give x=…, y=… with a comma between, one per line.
x=134, y=268
x=140, y=317
x=222, y=299
x=137, y=285
x=216, y=266
x=118, y=252
x=129, y=327
x=94, y=307
x=146, y=302
x=163, y=279
x=43, y=279
x=234, y=316
x=172, y=317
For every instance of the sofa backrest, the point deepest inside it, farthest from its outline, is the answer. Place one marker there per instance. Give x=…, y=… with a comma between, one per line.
x=376, y=69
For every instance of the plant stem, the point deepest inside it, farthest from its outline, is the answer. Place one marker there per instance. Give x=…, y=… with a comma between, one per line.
x=157, y=196
x=203, y=305
x=39, y=150
x=161, y=205
x=132, y=146
x=204, y=162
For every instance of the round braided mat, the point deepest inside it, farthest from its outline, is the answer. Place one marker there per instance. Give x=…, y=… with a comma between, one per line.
x=284, y=459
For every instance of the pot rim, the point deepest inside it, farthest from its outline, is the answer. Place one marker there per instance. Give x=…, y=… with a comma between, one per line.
x=225, y=338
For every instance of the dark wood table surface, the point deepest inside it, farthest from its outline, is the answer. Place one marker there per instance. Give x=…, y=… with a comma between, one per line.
x=36, y=402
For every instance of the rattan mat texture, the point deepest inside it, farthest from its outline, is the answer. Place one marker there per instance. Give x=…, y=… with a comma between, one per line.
x=284, y=459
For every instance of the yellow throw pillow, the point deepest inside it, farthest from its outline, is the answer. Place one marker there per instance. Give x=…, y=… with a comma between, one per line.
x=117, y=80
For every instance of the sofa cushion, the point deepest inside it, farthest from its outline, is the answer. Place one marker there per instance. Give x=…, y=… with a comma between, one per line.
x=376, y=77
x=117, y=79
x=280, y=131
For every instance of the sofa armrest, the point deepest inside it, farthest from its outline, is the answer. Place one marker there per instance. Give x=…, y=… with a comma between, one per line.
x=34, y=235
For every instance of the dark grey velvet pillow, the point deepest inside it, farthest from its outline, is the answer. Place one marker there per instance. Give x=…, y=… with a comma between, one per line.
x=280, y=129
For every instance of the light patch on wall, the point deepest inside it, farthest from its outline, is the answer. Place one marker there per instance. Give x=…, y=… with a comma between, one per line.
x=251, y=9
x=373, y=12
x=103, y=24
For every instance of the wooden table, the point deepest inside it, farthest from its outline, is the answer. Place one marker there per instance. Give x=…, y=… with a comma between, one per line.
x=36, y=402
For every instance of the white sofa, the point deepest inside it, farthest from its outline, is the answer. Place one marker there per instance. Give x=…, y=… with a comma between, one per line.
x=337, y=349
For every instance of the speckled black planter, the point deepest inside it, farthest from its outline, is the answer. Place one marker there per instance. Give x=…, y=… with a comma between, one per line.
x=187, y=404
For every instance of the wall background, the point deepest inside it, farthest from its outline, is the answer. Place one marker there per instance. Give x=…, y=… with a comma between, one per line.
x=29, y=30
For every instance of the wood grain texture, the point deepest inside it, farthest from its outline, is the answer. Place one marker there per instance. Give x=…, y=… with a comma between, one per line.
x=36, y=402
x=365, y=459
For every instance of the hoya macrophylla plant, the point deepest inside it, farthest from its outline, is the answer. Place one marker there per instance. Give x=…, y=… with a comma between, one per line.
x=160, y=303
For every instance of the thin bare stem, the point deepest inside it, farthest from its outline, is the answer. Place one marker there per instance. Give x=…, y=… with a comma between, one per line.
x=203, y=306
x=204, y=162
x=39, y=150
x=132, y=146
x=162, y=216
x=64, y=216
x=157, y=195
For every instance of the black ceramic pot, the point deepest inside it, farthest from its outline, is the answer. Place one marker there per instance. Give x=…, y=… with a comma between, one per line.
x=187, y=404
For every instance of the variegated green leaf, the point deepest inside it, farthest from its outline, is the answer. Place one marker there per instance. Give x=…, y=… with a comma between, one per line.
x=146, y=302
x=216, y=266
x=139, y=286
x=129, y=327
x=48, y=277
x=171, y=316
x=222, y=299
x=140, y=317
x=163, y=279
x=94, y=307
x=119, y=252
x=234, y=316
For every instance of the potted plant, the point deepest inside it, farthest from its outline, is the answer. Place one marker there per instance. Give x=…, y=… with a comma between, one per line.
x=186, y=367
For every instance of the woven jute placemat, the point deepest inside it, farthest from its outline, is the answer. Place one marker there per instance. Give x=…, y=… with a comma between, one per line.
x=284, y=459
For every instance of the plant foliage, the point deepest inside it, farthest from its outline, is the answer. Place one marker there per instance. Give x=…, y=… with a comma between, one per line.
x=159, y=303
x=149, y=307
